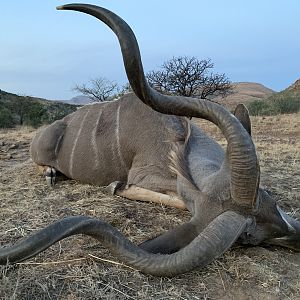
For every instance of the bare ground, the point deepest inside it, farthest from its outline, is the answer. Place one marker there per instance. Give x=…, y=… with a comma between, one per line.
x=79, y=268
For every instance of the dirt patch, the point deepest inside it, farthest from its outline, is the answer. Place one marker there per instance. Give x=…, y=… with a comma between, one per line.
x=69, y=269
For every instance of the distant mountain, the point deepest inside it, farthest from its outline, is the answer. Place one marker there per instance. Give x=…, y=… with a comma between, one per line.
x=245, y=92
x=79, y=100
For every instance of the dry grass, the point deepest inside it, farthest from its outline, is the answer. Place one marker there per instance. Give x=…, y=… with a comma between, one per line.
x=68, y=270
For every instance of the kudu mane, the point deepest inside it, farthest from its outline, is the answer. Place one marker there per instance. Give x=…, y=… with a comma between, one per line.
x=178, y=164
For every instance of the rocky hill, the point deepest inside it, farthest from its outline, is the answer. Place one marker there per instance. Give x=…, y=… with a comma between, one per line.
x=288, y=100
x=284, y=102
x=295, y=87
x=32, y=111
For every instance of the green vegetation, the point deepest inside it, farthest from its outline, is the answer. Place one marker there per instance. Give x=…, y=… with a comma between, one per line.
x=6, y=118
x=259, y=108
x=285, y=102
x=23, y=110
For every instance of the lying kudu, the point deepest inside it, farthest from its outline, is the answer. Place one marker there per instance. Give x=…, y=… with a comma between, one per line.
x=163, y=154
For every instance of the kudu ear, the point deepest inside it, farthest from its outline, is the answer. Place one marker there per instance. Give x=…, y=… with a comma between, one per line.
x=241, y=112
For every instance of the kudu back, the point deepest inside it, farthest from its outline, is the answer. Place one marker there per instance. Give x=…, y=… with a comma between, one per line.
x=145, y=144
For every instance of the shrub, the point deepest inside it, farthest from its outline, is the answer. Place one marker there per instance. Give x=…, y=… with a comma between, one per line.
x=6, y=118
x=23, y=110
x=57, y=111
x=260, y=108
x=286, y=105
x=35, y=115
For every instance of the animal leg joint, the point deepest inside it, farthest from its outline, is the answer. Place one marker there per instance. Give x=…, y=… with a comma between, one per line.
x=112, y=188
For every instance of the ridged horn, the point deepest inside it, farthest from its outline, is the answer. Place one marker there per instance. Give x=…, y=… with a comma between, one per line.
x=217, y=237
x=243, y=162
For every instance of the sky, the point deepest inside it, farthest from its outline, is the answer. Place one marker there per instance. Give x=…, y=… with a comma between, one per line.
x=45, y=52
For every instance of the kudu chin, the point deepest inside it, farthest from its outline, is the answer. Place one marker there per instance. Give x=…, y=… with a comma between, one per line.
x=143, y=147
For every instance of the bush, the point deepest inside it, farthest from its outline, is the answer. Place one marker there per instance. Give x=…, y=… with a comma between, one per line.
x=6, y=118
x=287, y=105
x=23, y=110
x=260, y=108
x=57, y=111
x=275, y=105
x=36, y=115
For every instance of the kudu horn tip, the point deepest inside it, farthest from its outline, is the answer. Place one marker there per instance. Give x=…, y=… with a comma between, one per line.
x=65, y=6
x=61, y=7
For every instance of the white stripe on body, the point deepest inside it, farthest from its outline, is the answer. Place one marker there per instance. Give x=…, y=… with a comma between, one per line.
x=56, y=148
x=71, y=164
x=117, y=132
x=94, y=141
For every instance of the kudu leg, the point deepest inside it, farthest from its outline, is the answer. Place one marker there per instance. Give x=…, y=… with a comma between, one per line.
x=49, y=173
x=134, y=192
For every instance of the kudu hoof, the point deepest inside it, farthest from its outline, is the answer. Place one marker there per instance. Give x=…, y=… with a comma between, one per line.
x=112, y=188
x=50, y=174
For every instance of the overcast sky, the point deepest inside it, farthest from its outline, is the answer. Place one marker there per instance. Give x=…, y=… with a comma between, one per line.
x=44, y=52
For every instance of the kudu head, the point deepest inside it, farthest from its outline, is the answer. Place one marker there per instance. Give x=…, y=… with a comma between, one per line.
x=235, y=186
x=240, y=209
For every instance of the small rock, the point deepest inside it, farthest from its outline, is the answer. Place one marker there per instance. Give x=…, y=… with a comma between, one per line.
x=14, y=146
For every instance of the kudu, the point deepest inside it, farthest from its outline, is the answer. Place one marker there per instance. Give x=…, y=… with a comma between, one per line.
x=127, y=141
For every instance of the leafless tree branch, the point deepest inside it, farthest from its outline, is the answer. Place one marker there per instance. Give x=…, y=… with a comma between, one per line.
x=190, y=77
x=98, y=90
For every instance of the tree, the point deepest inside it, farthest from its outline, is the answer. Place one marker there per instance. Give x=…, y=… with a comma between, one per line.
x=99, y=89
x=190, y=77
x=6, y=118
x=20, y=108
x=125, y=89
x=36, y=114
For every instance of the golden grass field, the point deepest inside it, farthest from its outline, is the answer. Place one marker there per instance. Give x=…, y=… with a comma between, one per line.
x=79, y=268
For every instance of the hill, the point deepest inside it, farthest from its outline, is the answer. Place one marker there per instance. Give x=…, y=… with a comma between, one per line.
x=295, y=87
x=25, y=110
x=79, y=100
x=286, y=101
x=245, y=92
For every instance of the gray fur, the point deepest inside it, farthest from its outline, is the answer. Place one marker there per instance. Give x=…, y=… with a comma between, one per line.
x=106, y=142
x=43, y=152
